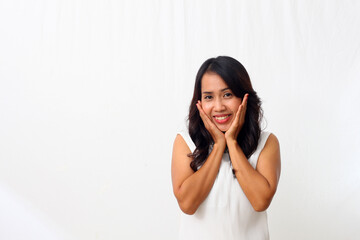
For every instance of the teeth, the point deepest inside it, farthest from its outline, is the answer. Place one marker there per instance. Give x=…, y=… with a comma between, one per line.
x=222, y=118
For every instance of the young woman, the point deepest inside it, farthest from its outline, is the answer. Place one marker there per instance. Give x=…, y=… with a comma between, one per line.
x=225, y=169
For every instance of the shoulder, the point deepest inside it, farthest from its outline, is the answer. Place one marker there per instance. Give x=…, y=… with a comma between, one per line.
x=180, y=138
x=269, y=163
x=272, y=141
x=271, y=147
x=270, y=154
x=266, y=140
x=183, y=138
x=180, y=164
x=180, y=145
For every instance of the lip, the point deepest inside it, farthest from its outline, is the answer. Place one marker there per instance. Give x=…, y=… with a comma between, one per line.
x=223, y=120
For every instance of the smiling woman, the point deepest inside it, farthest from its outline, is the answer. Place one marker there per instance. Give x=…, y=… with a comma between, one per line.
x=225, y=170
x=218, y=101
x=223, y=73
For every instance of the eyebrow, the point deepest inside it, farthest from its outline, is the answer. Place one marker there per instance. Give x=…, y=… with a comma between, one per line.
x=212, y=92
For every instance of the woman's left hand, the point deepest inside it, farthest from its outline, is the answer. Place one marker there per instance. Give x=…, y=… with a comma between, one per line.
x=238, y=122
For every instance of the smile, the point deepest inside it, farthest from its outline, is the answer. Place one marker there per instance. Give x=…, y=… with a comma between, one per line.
x=222, y=119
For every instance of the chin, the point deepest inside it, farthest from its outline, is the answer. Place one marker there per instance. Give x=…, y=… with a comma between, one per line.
x=224, y=129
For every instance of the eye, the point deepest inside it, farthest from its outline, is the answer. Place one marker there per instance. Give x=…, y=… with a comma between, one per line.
x=207, y=97
x=227, y=95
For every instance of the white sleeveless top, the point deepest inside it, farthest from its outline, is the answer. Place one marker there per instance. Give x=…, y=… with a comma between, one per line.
x=226, y=213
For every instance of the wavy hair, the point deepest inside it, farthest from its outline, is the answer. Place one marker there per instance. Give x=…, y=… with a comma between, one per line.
x=236, y=77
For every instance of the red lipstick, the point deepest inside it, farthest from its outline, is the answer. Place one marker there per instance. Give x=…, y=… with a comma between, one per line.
x=223, y=118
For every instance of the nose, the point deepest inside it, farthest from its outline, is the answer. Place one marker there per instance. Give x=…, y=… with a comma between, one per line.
x=219, y=106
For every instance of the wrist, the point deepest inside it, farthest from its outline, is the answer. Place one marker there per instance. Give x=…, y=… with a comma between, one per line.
x=220, y=143
x=231, y=142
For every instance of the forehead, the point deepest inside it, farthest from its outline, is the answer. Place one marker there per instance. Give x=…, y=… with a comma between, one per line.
x=212, y=82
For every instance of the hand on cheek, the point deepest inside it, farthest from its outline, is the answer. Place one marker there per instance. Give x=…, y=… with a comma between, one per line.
x=238, y=122
x=214, y=131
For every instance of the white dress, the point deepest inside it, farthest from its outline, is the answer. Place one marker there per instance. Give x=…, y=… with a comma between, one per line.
x=226, y=213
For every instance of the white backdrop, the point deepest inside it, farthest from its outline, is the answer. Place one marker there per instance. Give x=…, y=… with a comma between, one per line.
x=93, y=92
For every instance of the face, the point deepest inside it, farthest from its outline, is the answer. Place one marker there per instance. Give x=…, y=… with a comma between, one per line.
x=218, y=101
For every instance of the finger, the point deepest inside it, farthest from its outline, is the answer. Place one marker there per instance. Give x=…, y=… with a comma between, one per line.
x=244, y=103
x=237, y=120
x=206, y=119
x=237, y=117
x=203, y=112
x=242, y=113
x=244, y=107
x=238, y=113
x=203, y=115
x=245, y=99
x=199, y=109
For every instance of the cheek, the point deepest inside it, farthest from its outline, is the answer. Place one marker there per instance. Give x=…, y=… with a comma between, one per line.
x=207, y=109
x=236, y=105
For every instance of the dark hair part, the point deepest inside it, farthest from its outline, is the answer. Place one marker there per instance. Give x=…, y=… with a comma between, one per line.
x=236, y=77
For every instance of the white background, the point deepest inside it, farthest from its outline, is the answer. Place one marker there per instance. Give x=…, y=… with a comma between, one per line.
x=93, y=92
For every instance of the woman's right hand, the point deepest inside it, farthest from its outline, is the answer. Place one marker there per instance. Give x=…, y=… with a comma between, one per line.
x=216, y=134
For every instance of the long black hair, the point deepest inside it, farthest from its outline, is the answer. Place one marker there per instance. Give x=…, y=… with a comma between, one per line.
x=236, y=77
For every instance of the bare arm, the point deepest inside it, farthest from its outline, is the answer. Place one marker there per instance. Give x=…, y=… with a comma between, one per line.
x=191, y=188
x=259, y=185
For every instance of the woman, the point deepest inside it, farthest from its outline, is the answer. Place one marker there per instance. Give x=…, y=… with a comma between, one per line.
x=225, y=170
